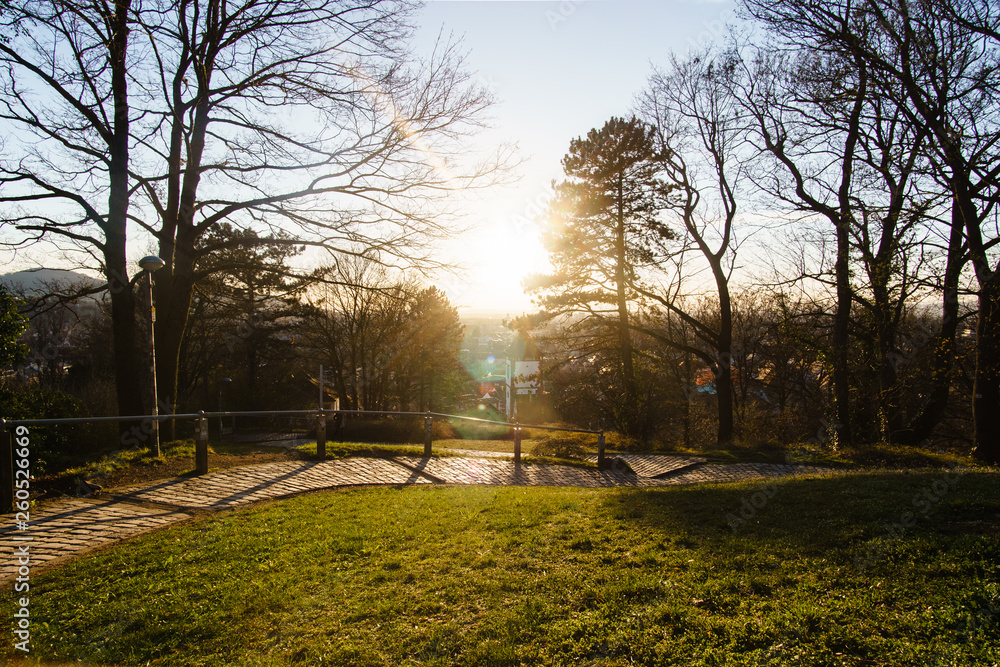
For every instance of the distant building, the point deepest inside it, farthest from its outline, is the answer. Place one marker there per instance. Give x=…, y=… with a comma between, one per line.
x=522, y=376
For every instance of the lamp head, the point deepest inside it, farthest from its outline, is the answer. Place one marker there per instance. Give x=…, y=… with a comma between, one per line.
x=151, y=263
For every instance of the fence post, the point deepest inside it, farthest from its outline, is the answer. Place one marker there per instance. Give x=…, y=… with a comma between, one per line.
x=600, y=451
x=321, y=436
x=201, y=445
x=517, y=443
x=428, y=433
x=6, y=468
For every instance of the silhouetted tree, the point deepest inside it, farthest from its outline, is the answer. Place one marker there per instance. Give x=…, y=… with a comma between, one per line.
x=602, y=229
x=169, y=118
x=699, y=136
x=430, y=365
x=244, y=315
x=942, y=57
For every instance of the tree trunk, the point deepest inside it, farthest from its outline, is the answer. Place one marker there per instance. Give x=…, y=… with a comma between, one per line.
x=128, y=385
x=127, y=360
x=885, y=336
x=688, y=390
x=629, y=412
x=841, y=340
x=174, y=292
x=724, y=375
x=920, y=428
x=986, y=389
x=842, y=319
x=176, y=289
x=251, y=349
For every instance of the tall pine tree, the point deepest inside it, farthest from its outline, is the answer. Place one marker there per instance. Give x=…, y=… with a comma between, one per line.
x=603, y=227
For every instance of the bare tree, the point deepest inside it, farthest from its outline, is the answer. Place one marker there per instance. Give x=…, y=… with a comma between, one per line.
x=813, y=171
x=861, y=166
x=164, y=119
x=388, y=344
x=943, y=58
x=65, y=103
x=357, y=331
x=700, y=137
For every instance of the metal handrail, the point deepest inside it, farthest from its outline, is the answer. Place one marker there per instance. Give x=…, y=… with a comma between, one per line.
x=7, y=423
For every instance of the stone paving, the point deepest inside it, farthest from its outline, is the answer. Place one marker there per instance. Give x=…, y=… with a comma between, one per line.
x=237, y=486
x=64, y=528
x=653, y=465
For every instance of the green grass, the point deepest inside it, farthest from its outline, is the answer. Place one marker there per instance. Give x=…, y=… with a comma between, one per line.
x=343, y=450
x=868, y=456
x=552, y=576
x=502, y=446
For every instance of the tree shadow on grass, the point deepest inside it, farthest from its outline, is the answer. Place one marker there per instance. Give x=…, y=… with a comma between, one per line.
x=817, y=514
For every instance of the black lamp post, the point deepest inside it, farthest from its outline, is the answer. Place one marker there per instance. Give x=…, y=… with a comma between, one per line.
x=150, y=264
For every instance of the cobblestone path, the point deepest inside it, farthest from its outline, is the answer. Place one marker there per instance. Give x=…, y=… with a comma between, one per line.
x=64, y=528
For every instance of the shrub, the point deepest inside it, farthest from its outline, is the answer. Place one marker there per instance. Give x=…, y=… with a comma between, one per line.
x=562, y=446
x=391, y=430
x=55, y=448
x=624, y=443
x=588, y=441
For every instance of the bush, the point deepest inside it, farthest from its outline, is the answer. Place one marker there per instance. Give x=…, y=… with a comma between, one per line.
x=390, y=430
x=55, y=448
x=612, y=439
x=562, y=446
x=624, y=443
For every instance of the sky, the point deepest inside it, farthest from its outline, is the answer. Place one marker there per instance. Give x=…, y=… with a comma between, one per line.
x=557, y=70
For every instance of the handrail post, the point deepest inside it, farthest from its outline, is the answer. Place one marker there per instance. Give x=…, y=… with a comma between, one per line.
x=600, y=451
x=321, y=435
x=428, y=433
x=201, y=445
x=517, y=443
x=6, y=468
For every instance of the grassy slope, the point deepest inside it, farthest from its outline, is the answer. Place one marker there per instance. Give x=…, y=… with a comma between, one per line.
x=505, y=576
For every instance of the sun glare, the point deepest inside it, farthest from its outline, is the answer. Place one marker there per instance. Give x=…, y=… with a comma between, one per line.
x=498, y=257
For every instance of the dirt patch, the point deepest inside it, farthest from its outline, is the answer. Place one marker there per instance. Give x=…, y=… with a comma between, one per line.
x=151, y=471
x=145, y=472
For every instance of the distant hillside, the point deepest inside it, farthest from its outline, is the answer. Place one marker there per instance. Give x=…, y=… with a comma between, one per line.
x=33, y=281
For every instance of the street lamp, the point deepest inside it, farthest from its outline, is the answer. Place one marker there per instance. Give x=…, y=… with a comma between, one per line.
x=150, y=264
x=222, y=381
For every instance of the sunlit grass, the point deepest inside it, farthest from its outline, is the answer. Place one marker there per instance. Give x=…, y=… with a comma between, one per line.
x=341, y=450
x=498, y=446
x=552, y=576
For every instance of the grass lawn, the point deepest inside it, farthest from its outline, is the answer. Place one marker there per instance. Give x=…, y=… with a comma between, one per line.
x=502, y=446
x=875, y=568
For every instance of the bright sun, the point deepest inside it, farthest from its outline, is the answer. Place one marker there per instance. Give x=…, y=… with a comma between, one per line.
x=498, y=257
